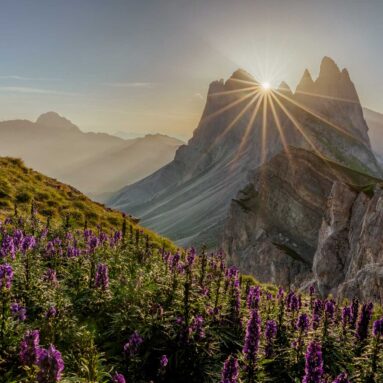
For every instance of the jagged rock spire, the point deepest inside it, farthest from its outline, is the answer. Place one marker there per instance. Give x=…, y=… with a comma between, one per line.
x=306, y=84
x=285, y=89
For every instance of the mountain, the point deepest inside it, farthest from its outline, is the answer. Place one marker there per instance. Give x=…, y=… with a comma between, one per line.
x=22, y=187
x=242, y=127
x=375, y=132
x=273, y=223
x=92, y=162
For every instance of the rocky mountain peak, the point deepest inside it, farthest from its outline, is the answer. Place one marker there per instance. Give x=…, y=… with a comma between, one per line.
x=306, y=83
x=55, y=121
x=328, y=68
x=284, y=88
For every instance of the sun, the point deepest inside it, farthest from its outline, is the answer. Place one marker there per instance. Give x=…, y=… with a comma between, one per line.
x=265, y=86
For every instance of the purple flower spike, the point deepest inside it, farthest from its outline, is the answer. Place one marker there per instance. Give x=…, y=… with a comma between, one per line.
x=314, y=364
x=102, y=277
x=29, y=348
x=51, y=365
x=253, y=334
x=364, y=320
x=377, y=328
x=164, y=361
x=131, y=347
x=342, y=378
x=303, y=323
x=230, y=371
x=6, y=276
x=118, y=378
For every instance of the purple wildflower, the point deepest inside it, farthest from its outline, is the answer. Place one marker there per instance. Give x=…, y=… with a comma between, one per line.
x=50, y=276
x=18, y=311
x=131, y=347
x=329, y=309
x=303, y=323
x=190, y=257
x=28, y=243
x=51, y=365
x=230, y=371
x=51, y=312
x=164, y=361
x=253, y=297
x=364, y=320
x=342, y=378
x=6, y=276
x=313, y=364
x=377, y=328
x=354, y=312
x=253, y=334
x=270, y=333
x=118, y=378
x=317, y=313
x=7, y=247
x=102, y=277
x=197, y=327
x=29, y=348
x=346, y=316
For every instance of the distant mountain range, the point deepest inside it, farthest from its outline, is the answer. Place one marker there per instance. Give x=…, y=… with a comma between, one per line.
x=92, y=162
x=188, y=199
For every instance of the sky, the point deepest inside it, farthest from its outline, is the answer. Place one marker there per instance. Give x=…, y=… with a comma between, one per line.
x=144, y=66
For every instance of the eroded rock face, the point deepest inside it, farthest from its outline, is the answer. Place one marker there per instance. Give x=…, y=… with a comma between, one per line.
x=273, y=224
x=349, y=258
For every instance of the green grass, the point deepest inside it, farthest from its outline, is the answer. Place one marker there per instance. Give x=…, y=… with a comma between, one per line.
x=22, y=187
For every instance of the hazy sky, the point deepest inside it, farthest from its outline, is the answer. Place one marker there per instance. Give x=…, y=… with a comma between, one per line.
x=144, y=66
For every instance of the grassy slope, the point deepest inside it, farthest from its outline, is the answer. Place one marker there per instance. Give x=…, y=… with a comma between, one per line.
x=22, y=187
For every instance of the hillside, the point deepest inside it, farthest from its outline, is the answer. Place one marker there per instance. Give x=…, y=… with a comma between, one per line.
x=241, y=128
x=91, y=162
x=87, y=307
x=22, y=187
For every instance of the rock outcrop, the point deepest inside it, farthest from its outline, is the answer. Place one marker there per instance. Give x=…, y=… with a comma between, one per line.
x=349, y=259
x=273, y=223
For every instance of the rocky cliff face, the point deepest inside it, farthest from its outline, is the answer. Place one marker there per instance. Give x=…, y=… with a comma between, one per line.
x=241, y=128
x=349, y=258
x=273, y=223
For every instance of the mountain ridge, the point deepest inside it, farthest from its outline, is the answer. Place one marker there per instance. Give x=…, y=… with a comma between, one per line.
x=57, y=147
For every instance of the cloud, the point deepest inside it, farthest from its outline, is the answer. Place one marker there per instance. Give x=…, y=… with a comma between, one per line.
x=22, y=78
x=146, y=85
x=22, y=89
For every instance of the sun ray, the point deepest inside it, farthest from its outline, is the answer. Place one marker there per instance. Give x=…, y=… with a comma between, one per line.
x=227, y=92
x=227, y=107
x=319, y=117
x=238, y=116
x=305, y=136
x=254, y=82
x=327, y=97
x=249, y=128
x=264, y=131
x=278, y=125
x=297, y=126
